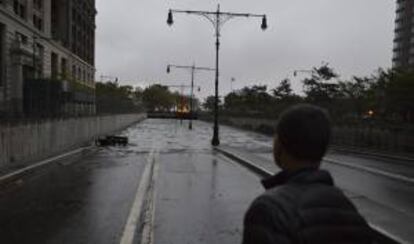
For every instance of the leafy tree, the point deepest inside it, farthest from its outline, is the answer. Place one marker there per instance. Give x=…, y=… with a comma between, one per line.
x=158, y=98
x=209, y=103
x=284, y=90
x=320, y=90
x=387, y=93
x=399, y=95
x=112, y=98
x=253, y=100
x=355, y=94
x=325, y=72
x=233, y=101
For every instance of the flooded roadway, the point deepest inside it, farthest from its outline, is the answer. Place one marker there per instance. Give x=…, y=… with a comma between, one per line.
x=194, y=194
x=200, y=195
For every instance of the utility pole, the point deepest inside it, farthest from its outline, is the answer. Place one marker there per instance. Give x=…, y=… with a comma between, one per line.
x=218, y=19
x=231, y=83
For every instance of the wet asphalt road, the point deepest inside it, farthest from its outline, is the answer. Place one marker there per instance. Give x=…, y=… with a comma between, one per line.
x=199, y=195
x=83, y=202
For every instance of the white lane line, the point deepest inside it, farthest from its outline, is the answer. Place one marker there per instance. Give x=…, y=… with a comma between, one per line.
x=372, y=170
x=147, y=236
x=41, y=163
x=135, y=212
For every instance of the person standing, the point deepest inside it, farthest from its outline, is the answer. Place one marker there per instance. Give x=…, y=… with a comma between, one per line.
x=301, y=204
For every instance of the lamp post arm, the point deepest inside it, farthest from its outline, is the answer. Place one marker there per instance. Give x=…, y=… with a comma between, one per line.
x=190, y=67
x=217, y=18
x=204, y=68
x=214, y=13
x=180, y=66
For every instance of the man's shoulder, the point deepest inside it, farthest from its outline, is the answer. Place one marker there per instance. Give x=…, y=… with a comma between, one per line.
x=279, y=201
x=276, y=199
x=283, y=194
x=297, y=196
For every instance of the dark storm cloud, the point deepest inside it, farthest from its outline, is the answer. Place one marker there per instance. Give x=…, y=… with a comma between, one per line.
x=135, y=43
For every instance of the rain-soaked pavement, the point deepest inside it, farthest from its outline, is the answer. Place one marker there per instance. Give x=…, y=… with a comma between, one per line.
x=199, y=196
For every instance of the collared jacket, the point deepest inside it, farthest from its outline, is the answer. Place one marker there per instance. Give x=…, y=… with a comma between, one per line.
x=304, y=207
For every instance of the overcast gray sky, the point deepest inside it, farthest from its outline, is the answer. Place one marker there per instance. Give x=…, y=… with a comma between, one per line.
x=135, y=44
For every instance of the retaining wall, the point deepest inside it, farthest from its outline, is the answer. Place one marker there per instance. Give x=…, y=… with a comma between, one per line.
x=36, y=140
x=369, y=136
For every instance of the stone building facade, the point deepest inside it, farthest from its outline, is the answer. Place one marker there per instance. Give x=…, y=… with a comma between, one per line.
x=47, y=50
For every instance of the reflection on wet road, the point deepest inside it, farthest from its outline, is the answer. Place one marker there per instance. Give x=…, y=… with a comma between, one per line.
x=199, y=196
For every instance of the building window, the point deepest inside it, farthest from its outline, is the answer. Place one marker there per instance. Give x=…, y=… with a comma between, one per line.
x=63, y=67
x=88, y=76
x=73, y=71
x=19, y=8
x=79, y=74
x=54, y=63
x=38, y=22
x=40, y=50
x=38, y=4
x=21, y=39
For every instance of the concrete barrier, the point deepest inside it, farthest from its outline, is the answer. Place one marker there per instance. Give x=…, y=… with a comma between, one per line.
x=26, y=142
x=368, y=137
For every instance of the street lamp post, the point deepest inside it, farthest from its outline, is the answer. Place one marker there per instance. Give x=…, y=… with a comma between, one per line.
x=218, y=19
x=193, y=68
x=231, y=83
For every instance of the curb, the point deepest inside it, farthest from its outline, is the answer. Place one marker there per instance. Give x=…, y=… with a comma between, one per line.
x=381, y=235
x=6, y=178
x=373, y=171
x=245, y=162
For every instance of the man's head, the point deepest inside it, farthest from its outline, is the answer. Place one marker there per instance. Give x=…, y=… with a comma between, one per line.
x=302, y=137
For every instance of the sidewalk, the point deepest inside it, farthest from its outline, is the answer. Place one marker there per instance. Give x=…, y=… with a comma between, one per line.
x=391, y=221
